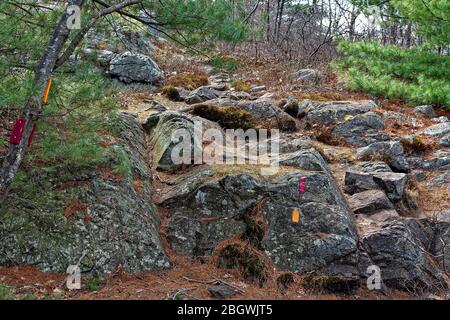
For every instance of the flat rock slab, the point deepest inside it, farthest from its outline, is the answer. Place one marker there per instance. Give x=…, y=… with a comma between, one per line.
x=334, y=111
x=370, y=201
x=438, y=130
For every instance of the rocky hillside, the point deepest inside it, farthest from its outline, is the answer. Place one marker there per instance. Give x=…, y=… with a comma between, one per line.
x=371, y=185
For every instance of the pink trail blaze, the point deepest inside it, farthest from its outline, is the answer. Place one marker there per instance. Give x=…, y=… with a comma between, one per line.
x=302, y=184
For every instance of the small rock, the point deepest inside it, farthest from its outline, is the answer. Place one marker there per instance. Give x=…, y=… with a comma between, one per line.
x=395, y=116
x=425, y=110
x=309, y=75
x=440, y=119
x=239, y=95
x=222, y=291
x=203, y=94
x=418, y=175
x=445, y=140
x=440, y=180
x=438, y=130
x=375, y=175
x=258, y=89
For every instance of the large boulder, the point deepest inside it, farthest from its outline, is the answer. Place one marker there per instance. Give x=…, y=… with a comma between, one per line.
x=399, y=247
x=162, y=127
x=325, y=240
x=334, y=111
x=99, y=220
x=440, y=240
x=123, y=39
x=134, y=67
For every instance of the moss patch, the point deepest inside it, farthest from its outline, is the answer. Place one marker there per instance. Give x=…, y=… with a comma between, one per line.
x=188, y=80
x=240, y=85
x=285, y=280
x=171, y=93
x=256, y=224
x=417, y=146
x=227, y=117
x=252, y=266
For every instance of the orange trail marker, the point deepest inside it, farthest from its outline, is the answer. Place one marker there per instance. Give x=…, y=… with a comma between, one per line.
x=296, y=216
x=47, y=90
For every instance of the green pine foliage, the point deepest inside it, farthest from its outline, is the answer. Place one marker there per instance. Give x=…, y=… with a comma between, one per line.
x=431, y=16
x=81, y=108
x=414, y=75
x=223, y=63
x=82, y=104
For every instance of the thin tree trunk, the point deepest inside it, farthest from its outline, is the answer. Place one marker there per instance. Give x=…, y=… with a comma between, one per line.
x=51, y=59
x=32, y=108
x=280, y=18
x=268, y=20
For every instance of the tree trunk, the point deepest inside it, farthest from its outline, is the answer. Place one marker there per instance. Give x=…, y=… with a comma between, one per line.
x=51, y=59
x=33, y=107
x=268, y=20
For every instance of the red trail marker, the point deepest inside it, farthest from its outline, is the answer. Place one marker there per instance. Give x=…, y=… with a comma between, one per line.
x=17, y=131
x=302, y=184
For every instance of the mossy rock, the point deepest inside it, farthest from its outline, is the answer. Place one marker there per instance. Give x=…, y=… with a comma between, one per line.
x=416, y=145
x=189, y=80
x=253, y=268
x=227, y=117
x=171, y=93
x=240, y=85
x=254, y=233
